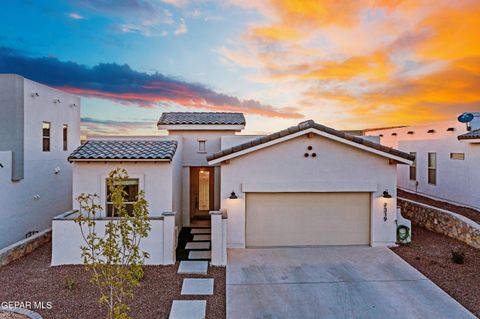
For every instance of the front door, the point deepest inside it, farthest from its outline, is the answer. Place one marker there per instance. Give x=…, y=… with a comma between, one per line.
x=201, y=191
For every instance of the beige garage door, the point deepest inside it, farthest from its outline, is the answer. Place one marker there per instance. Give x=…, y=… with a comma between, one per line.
x=299, y=219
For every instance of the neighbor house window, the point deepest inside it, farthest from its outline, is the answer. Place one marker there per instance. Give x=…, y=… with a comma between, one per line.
x=65, y=137
x=413, y=167
x=432, y=168
x=130, y=186
x=46, y=136
x=202, y=146
x=457, y=156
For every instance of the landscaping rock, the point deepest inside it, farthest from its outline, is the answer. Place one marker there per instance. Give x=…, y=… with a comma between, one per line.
x=441, y=221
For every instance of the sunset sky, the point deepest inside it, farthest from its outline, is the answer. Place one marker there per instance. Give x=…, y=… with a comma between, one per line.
x=347, y=64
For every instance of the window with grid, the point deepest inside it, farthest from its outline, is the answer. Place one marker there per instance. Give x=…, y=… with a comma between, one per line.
x=131, y=188
x=413, y=167
x=432, y=168
x=65, y=137
x=46, y=136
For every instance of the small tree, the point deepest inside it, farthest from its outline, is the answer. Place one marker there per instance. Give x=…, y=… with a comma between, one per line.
x=114, y=257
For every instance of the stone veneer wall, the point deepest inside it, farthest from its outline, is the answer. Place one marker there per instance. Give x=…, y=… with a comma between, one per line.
x=24, y=247
x=441, y=221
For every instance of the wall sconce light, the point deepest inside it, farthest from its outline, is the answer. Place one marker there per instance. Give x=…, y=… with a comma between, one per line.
x=56, y=170
x=56, y=101
x=35, y=94
x=385, y=210
x=73, y=105
x=233, y=195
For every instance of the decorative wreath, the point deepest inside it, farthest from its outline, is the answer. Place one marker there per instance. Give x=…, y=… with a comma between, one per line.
x=403, y=235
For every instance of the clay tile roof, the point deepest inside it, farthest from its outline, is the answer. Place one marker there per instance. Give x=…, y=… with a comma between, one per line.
x=304, y=126
x=124, y=150
x=470, y=135
x=201, y=118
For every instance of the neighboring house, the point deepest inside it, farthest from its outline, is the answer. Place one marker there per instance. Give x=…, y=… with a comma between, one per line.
x=39, y=128
x=447, y=164
x=306, y=185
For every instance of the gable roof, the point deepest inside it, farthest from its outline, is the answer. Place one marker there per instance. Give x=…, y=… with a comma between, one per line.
x=126, y=150
x=311, y=126
x=201, y=118
x=470, y=135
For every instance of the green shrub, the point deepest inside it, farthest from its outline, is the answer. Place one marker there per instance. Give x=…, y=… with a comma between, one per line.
x=458, y=256
x=70, y=283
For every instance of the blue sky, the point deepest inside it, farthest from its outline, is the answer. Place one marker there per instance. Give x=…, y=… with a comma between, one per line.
x=348, y=65
x=180, y=42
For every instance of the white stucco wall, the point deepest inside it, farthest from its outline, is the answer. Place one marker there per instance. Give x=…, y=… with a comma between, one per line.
x=155, y=180
x=177, y=172
x=67, y=240
x=457, y=180
x=20, y=212
x=192, y=157
x=283, y=168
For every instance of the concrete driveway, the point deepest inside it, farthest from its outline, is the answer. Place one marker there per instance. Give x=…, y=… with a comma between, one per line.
x=331, y=282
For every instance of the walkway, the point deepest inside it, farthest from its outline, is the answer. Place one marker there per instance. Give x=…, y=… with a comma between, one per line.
x=194, y=254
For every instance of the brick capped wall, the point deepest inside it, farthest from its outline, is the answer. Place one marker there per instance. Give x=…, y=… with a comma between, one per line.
x=24, y=247
x=441, y=221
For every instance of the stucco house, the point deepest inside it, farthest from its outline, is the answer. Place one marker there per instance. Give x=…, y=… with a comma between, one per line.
x=39, y=128
x=447, y=158
x=306, y=185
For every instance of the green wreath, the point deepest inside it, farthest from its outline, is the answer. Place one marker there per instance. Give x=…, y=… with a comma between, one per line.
x=402, y=236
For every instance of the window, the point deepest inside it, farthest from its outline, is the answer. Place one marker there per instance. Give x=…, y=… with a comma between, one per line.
x=130, y=186
x=202, y=146
x=204, y=190
x=46, y=136
x=413, y=167
x=432, y=168
x=457, y=156
x=65, y=137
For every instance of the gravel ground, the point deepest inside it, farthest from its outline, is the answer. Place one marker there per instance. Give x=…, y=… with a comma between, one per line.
x=467, y=212
x=430, y=253
x=32, y=279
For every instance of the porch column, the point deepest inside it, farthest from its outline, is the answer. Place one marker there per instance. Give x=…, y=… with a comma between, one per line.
x=169, y=239
x=219, y=238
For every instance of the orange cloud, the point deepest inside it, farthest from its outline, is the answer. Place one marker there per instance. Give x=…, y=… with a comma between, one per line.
x=189, y=99
x=381, y=62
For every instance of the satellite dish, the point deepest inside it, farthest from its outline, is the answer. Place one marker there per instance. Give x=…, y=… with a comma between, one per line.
x=465, y=117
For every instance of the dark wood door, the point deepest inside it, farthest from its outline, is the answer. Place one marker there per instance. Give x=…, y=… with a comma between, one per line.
x=201, y=191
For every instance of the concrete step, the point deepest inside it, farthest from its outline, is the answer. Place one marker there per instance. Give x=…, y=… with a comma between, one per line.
x=204, y=245
x=201, y=237
x=200, y=254
x=192, y=309
x=193, y=267
x=200, y=231
x=197, y=286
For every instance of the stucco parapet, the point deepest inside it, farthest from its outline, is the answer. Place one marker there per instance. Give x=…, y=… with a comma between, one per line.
x=169, y=213
x=220, y=212
x=72, y=214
